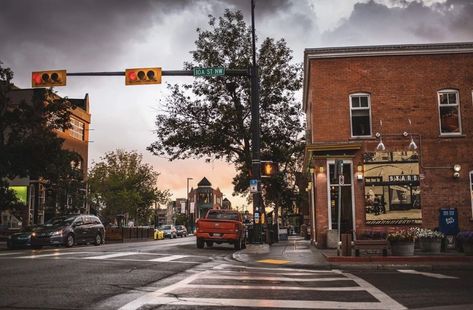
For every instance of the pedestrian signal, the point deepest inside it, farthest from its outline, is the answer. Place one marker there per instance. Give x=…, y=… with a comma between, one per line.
x=268, y=169
x=48, y=78
x=142, y=76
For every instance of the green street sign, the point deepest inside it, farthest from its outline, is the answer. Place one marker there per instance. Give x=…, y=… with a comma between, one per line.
x=215, y=71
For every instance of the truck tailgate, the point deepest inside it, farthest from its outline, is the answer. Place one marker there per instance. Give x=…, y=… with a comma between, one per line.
x=217, y=226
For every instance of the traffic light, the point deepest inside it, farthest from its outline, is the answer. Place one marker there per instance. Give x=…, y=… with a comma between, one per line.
x=268, y=169
x=48, y=78
x=142, y=76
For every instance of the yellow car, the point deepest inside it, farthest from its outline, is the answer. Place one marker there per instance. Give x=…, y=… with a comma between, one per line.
x=158, y=234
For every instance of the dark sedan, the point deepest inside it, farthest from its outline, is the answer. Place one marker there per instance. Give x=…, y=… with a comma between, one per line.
x=68, y=231
x=21, y=239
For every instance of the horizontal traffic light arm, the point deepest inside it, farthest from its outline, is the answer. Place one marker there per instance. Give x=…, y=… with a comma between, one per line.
x=228, y=72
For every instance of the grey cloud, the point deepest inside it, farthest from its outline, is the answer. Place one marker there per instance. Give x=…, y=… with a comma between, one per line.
x=413, y=22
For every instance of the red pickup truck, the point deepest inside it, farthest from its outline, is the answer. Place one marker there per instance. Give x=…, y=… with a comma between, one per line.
x=221, y=226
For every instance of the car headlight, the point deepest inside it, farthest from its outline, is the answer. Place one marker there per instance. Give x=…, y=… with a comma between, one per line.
x=57, y=233
x=33, y=234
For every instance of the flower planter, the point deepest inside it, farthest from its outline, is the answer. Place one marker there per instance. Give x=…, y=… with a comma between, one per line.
x=402, y=248
x=431, y=245
x=468, y=248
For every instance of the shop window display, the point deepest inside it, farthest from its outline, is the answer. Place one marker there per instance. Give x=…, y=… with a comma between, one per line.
x=392, y=189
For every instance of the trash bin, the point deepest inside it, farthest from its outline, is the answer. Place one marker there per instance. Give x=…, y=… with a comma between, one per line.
x=303, y=231
x=282, y=234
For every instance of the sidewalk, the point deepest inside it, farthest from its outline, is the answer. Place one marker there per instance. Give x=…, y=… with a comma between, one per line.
x=299, y=253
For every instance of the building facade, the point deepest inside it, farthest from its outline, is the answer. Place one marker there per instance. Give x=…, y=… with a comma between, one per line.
x=204, y=198
x=32, y=191
x=389, y=137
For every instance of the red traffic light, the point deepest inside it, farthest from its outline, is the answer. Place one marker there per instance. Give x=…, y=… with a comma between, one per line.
x=143, y=76
x=48, y=78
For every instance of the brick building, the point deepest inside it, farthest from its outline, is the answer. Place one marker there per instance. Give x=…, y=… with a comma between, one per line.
x=398, y=121
x=204, y=198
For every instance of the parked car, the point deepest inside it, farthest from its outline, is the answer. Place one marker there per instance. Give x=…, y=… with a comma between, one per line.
x=181, y=230
x=68, y=231
x=169, y=231
x=20, y=239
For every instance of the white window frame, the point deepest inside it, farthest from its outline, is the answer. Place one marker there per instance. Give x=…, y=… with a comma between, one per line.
x=77, y=131
x=457, y=105
x=360, y=108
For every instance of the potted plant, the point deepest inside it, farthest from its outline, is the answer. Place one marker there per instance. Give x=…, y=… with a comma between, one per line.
x=402, y=242
x=464, y=241
x=429, y=240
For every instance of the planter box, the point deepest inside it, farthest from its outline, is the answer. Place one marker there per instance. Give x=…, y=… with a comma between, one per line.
x=430, y=245
x=402, y=248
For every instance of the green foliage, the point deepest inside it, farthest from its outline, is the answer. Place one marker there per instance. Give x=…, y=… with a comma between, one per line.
x=211, y=117
x=181, y=219
x=120, y=183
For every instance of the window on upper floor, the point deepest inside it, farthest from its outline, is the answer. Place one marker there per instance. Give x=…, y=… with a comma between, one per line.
x=449, y=112
x=77, y=129
x=360, y=115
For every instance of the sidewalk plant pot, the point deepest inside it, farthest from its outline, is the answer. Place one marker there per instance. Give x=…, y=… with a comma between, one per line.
x=464, y=241
x=402, y=242
x=429, y=240
x=402, y=248
x=430, y=245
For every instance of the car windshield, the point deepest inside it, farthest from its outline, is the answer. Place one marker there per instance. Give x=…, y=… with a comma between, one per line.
x=166, y=227
x=223, y=216
x=60, y=221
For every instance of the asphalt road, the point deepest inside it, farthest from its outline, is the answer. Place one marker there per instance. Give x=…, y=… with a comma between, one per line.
x=174, y=274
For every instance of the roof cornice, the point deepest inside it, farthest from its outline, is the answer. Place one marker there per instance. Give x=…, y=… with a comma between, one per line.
x=379, y=50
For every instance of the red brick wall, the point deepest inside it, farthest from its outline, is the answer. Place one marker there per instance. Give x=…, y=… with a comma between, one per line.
x=400, y=87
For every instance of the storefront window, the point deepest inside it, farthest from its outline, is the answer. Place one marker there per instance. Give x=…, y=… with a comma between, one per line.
x=392, y=189
x=346, y=206
x=449, y=112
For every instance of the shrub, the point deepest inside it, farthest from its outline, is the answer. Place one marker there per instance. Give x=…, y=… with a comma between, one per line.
x=425, y=233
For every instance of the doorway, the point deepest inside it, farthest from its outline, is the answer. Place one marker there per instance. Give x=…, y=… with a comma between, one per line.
x=343, y=189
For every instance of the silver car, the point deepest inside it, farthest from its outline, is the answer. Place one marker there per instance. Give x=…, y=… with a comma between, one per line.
x=169, y=231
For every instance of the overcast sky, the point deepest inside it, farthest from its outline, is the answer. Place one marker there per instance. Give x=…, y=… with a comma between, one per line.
x=111, y=35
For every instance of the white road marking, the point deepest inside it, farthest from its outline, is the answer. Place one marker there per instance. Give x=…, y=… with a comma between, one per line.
x=161, y=296
x=223, y=266
x=113, y=255
x=167, y=258
x=10, y=253
x=385, y=300
x=272, y=287
x=55, y=254
x=427, y=274
x=283, y=279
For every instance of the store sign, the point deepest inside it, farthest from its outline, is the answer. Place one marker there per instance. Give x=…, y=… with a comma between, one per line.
x=404, y=178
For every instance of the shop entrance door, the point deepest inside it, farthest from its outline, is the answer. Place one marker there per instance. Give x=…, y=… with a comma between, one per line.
x=347, y=209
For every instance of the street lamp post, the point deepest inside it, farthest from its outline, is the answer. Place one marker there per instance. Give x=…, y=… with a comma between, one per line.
x=188, y=211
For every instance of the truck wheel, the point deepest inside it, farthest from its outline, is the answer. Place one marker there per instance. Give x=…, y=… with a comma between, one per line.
x=200, y=243
x=209, y=244
x=237, y=244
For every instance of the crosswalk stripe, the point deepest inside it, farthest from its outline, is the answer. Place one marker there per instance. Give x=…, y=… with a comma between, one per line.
x=167, y=258
x=113, y=255
x=284, y=279
x=271, y=287
x=55, y=254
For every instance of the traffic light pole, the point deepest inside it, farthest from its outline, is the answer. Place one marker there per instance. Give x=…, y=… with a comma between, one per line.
x=229, y=72
x=255, y=138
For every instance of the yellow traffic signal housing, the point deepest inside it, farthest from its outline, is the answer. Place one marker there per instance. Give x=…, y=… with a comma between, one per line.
x=268, y=169
x=142, y=76
x=48, y=78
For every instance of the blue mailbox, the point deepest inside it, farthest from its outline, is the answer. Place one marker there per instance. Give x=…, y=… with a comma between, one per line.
x=448, y=221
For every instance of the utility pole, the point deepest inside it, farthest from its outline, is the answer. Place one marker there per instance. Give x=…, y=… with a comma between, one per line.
x=188, y=211
x=255, y=137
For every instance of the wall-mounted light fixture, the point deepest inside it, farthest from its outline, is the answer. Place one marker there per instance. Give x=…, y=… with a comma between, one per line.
x=456, y=171
x=321, y=169
x=381, y=147
x=311, y=170
x=359, y=172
